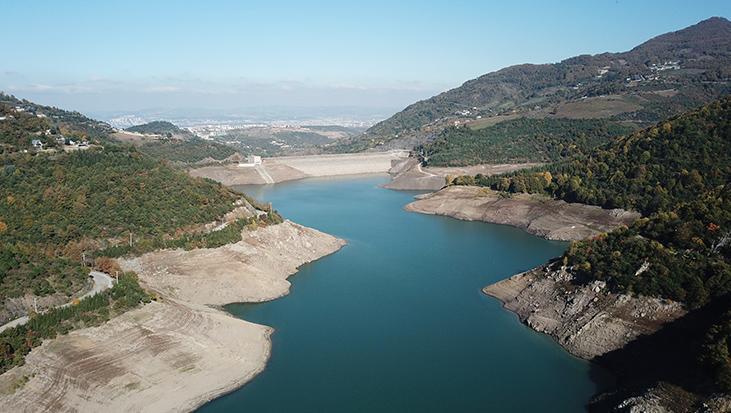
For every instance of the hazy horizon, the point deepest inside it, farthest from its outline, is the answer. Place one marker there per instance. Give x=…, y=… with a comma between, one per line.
x=232, y=57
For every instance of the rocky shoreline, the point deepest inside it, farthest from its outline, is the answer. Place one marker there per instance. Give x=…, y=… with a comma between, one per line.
x=586, y=320
x=538, y=215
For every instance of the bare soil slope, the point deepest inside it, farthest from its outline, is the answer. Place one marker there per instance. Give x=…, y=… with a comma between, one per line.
x=536, y=214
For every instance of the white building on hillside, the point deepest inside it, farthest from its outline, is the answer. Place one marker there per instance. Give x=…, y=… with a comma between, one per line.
x=251, y=160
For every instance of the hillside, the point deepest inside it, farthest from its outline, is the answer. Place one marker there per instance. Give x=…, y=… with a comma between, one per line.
x=286, y=140
x=678, y=174
x=64, y=212
x=22, y=121
x=166, y=141
x=662, y=77
x=162, y=128
x=519, y=141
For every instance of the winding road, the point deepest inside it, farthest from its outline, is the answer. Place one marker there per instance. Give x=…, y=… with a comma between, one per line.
x=102, y=282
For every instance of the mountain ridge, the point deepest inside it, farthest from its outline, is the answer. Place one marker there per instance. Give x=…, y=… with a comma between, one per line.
x=665, y=75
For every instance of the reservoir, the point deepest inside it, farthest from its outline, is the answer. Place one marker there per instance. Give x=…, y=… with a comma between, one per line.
x=396, y=320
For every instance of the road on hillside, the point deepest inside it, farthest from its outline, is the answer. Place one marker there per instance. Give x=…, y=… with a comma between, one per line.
x=102, y=282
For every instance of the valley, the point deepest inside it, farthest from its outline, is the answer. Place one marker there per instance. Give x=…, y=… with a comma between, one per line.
x=250, y=234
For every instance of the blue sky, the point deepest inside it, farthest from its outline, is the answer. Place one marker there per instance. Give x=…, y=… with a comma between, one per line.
x=373, y=54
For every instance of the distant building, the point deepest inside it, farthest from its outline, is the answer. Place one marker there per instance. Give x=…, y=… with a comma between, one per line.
x=37, y=143
x=60, y=140
x=251, y=160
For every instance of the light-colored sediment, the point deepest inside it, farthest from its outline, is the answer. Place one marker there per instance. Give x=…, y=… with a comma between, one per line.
x=538, y=215
x=587, y=320
x=175, y=354
x=408, y=174
x=251, y=270
x=287, y=168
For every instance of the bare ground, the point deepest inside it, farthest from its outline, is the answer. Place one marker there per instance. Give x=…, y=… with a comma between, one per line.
x=539, y=215
x=175, y=354
x=587, y=320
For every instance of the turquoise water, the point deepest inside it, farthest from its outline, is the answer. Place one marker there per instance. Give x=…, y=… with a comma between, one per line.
x=396, y=321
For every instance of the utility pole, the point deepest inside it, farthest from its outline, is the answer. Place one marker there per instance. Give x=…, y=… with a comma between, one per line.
x=130, y=239
x=35, y=304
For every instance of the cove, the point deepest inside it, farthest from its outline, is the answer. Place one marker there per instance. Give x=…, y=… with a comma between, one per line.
x=396, y=320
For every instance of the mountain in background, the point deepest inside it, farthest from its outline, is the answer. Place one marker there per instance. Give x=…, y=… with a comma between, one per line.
x=662, y=77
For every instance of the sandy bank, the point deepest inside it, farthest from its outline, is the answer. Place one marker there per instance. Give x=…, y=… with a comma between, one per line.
x=251, y=270
x=548, y=218
x=176, y=354
x=408, y=174
x=289, y=168
x=588, y=321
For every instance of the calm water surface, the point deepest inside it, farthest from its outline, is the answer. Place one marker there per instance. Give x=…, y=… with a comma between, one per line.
x=396, y=321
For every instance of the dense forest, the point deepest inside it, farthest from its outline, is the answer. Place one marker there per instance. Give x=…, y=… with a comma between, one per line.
x=519, y=140
x=187, y=151
x=678, y=174
x=56, y=207
x=159, y=127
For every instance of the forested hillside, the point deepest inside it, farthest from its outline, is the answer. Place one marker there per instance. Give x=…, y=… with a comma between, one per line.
x=64, y=212
x=664, y=76
x=55, y=208
x=165, y=140
x=519, y=140
x=159, y=127
x=678, y=174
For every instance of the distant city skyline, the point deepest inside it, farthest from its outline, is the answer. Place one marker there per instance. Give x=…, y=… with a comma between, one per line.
x=371, y=57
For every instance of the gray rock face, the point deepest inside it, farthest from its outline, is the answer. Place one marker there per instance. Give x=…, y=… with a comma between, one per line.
x=586, y=320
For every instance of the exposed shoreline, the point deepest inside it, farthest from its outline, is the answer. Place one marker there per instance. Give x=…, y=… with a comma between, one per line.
x=586, y=320
x=180, y=352
x=538, y=215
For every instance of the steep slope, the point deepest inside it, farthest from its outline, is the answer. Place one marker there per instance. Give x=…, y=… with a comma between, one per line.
x=678, y=174
x=659, y=78
x=58, y=209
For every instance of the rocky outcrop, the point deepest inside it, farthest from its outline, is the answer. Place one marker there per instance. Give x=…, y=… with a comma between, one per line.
x=538, y=215
x=587, y=320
